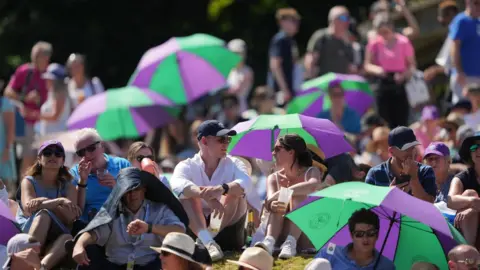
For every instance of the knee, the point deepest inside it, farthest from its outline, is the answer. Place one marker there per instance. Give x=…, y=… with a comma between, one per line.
x=42, y=216
x=297, y=200
x=470, y=193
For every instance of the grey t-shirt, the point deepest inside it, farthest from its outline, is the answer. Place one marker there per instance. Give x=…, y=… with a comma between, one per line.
x=335, y=54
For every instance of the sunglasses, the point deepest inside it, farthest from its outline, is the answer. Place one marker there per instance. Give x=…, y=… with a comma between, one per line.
x=344, y=18
x=140, y=158
x=369, y=233
x=474, y=147
x=92, y=147
x=278, y=148
x=224, y=139
x=469, y=262
x=49, y=152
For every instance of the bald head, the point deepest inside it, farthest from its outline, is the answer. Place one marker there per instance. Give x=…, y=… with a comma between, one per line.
x=461, y=252
x=424, y=266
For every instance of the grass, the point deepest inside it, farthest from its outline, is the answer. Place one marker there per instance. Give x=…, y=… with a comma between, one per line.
x=296, y=263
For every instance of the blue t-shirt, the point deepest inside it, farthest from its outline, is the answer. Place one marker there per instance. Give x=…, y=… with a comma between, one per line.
x=339, y=260
x=467, y=30
x=96, y=193
x=350, y=119
x=442, y=193
x=381, y=175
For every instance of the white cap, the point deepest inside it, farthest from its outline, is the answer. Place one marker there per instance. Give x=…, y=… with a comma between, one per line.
x=237, y=45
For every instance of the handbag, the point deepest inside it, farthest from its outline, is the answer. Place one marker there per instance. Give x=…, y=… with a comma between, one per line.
x=417, y=90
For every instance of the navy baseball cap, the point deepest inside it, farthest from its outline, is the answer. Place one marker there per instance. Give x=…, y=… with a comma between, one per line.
x=402, y=138
x=213, y=128
x=55, y=72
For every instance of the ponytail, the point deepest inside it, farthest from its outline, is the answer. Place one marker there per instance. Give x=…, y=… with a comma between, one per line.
x=304, y=159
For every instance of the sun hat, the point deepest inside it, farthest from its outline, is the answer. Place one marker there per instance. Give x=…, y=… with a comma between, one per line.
x=255, y=258
x=454, y=118
x=55, y=72
x=430, y=113
x=319, y=264
x=180, y=245
x=464, y=151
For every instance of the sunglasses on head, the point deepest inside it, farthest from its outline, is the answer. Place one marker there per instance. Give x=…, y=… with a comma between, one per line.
x=92, y=147
x=53, y=151
x=140, y=158
x=474, y=147
x=224, y=139
x=369, y=233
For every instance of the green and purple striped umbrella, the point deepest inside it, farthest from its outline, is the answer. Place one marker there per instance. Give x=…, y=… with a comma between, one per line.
x=255, y=138
x=313, y=97
x=185, y=68
x=127, y=112
x=411, y=230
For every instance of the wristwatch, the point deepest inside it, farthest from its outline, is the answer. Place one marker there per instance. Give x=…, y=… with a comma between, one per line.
x=225, y=189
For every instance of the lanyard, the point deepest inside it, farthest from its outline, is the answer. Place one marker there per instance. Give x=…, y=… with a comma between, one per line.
x=124, y=227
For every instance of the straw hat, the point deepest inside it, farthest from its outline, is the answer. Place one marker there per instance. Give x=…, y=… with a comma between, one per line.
x=318, y=157
x=378, y=134
x=454, y=118
x=319, y=264
x=255, y=258
x=178, y=244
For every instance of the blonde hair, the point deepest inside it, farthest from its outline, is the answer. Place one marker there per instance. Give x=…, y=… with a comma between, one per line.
x=40, y=47
x=335, y=12
x=87, y=133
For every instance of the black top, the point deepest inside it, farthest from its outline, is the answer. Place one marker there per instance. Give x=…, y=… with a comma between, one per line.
x=284, y=47
x=469, y=180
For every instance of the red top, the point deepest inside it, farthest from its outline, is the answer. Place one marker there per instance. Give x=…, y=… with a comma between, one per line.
x=17, y=82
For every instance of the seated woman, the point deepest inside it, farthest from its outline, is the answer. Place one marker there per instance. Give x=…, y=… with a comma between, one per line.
x=464, y=190
x=139, y=151
x=179, y=252
x=364, y=226
x=294, y=163
x=138, y=214
x=47, y=203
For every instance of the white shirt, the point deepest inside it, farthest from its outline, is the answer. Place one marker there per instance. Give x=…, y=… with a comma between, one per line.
x=191, y=172
x=472, y=119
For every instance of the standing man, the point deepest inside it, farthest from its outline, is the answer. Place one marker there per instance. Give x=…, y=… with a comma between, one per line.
x=283, y=54
x=329, y=49
x=465, y=33
x=401, y=170
x=215, y=184
x=29, y=88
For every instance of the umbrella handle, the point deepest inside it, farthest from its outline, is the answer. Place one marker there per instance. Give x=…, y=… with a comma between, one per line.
x=392, y=220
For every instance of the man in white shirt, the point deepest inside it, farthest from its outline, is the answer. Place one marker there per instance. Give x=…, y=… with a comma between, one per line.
x=212, y=183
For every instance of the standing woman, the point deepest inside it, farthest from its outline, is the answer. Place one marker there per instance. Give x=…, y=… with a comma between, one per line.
x=390, y=58
x=296, y=172
x=240, y=78
x=47, y=203
x=80, y=85
x=8, y=171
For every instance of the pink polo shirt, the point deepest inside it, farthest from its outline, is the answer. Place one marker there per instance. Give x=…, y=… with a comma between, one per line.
x=392, y=59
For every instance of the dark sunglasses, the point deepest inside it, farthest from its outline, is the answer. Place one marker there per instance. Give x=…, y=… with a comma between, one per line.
x=92, y=147
x=369, y=233
x=49, y=152
x=278, y=148
x=140, y=158
x=224, y=139
x=474, y=147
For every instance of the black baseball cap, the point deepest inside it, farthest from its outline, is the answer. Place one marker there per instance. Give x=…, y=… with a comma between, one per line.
x=213, y=128
x=402, y=138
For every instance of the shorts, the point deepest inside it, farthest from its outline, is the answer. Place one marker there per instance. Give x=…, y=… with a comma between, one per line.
x=231, y=238
x=27, y=141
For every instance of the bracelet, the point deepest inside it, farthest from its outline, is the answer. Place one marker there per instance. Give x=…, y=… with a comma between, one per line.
x=81, y=185
x=150, y=226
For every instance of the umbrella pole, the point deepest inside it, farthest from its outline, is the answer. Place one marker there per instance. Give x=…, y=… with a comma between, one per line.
x=392, y=220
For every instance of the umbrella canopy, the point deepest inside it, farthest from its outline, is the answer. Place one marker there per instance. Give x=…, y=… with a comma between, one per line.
x=313, y=98
x=127, y=112
x=255, y=138
x=411, y=230
x=8, y=224
x=185, y=68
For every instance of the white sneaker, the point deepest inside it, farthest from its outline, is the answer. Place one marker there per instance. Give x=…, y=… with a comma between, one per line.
x=215, y=251
x=268, y=244
x=289, y=248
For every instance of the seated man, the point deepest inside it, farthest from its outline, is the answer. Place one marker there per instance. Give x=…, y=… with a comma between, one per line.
x=344, y=117
x=138, y=214
x=401, y=170
x=213, y=183
x=364, y=226
x=463, y=257
x=95, y=170
x=23, y=253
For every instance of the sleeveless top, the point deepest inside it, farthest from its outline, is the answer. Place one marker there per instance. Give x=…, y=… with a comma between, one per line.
x=46, y=127
x=304, y=180
x=40, y=191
